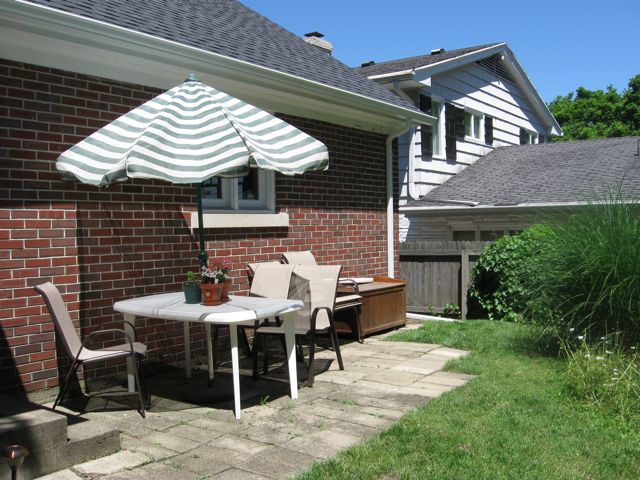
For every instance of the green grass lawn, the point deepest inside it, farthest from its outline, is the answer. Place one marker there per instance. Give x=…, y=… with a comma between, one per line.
x=516, y=420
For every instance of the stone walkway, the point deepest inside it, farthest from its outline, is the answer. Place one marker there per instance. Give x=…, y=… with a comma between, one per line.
x=276, y=437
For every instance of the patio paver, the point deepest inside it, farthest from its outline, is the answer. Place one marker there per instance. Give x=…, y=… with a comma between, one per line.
x=276, y=436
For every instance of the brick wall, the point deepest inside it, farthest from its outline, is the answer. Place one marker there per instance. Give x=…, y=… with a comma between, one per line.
x=100, y=245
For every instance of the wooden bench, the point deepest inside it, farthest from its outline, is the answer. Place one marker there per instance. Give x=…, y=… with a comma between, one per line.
x=384, y=306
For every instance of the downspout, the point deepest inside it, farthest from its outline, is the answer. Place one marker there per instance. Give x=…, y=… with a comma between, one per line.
x=390, y=230
x=411, y=184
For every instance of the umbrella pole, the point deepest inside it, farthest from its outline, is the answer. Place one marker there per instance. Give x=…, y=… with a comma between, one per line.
x=202, y=254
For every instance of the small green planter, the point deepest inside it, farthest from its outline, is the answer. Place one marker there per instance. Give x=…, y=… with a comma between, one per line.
x=192, y=292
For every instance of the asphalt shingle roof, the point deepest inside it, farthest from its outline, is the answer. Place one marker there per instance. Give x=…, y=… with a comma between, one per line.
x=419, y=61
x=560, y=172
x=229, y=28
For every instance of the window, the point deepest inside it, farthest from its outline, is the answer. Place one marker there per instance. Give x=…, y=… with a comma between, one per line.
x=431, y=140
x=473, y=125
x=253, y=192
x=454, y=129
x=464, y=235
x=527, y=137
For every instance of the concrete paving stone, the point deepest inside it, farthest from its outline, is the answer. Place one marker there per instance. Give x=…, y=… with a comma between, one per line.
x=353, y=415
x=371, y=385
x=410, y=400
x=239, y=444
x=340, y=377
x=411, y=369
x=426, y=390
x=153, y=471
x=449, y=378
x=394, y=378
x=266, y=434
x=154, y=452
x=376, y=363
x=366, y=401
x=61, y=475
x=448, y=352
x=362, y=387
x=170, y=442
x=274, y=467
x=317, y=449
x=411, y=346
x=392, y=414
x=196, y=434
x=203, y=461
x=230, y=425
x=124, y=459
x=237, y=474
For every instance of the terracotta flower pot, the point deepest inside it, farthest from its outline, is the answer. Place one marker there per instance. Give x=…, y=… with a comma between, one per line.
x=211, y=293
x=226, y=286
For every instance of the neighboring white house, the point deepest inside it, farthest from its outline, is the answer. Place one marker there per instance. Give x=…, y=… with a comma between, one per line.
x=482, y=99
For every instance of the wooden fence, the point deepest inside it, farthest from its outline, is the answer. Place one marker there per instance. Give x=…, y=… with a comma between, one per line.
x=438, y=273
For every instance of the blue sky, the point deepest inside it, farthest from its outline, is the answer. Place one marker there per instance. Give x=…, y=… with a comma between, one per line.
x=561, y=44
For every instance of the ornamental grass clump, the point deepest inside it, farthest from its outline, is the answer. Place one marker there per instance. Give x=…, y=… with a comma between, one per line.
x=604, y=373
x=586, y=272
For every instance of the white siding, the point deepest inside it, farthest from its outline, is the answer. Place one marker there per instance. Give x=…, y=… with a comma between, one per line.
x=478, y=89
x=423, y=227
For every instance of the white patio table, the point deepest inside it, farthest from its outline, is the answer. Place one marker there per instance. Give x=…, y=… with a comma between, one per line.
x=237, y=311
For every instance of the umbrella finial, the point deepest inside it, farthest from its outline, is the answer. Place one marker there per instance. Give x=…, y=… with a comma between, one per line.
x=191, y=78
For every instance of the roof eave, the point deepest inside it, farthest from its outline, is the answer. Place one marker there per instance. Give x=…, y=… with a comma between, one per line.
x=79, y=44
x=483, y=208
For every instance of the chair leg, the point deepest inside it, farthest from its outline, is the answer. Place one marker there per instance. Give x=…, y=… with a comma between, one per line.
x=143, y=384
x=265, y=354
x=136, y=375
x=299, y=350
x=312, y=351
x=65, y=385
x=335, y=342
x=245, y=342
x=358, y=325
x=214, y=354
x=257, y=346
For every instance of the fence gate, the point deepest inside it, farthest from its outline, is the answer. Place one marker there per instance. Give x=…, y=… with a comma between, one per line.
x=438, y=273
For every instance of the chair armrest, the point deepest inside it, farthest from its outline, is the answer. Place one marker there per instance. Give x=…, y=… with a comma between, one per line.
x=87, y=339
x=133, y=328
x=351, y=283
x=314, y=315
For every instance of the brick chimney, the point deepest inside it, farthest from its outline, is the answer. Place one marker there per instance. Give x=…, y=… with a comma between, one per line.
x=315, y=39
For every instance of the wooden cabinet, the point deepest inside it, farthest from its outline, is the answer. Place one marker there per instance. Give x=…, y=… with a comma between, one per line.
x=384, y=304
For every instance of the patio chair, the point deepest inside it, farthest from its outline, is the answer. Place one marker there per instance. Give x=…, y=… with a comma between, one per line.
x=78, y=350
x=316, y=286
x=344, y=301
x=273, y=283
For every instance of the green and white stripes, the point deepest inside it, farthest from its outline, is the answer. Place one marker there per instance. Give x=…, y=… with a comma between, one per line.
x=187, y=135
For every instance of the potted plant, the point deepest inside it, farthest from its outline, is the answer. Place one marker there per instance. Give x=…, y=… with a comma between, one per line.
x=213, y=281
x=191, y=288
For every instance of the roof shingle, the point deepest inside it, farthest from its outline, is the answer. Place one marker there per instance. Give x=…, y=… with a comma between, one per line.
x=410, y=63
x=227, y=27
x=560, y=172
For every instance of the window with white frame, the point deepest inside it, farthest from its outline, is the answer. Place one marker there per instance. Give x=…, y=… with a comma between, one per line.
x=432, y=136
x=473, y=125
x=527, y=137
x=254, y=192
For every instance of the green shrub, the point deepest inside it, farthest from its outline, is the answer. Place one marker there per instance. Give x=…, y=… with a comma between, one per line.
x=498, y=274
x=586, y=271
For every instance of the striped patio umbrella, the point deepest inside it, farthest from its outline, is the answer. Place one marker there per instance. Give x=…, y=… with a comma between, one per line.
x=187, y=135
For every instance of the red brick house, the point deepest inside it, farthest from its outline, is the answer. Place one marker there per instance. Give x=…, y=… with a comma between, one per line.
x=68, y=68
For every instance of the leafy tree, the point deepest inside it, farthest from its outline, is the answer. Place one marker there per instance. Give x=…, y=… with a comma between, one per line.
x=599, y=114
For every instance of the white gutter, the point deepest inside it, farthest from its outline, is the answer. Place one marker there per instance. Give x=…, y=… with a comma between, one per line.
x=390, y=223
x=401, y=73
x=52, y=23
x=432, y=210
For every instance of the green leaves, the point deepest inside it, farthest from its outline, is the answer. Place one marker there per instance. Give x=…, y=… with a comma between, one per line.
x=597, y=113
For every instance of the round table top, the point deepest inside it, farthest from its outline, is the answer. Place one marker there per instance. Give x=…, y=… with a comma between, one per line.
x=172, y=306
